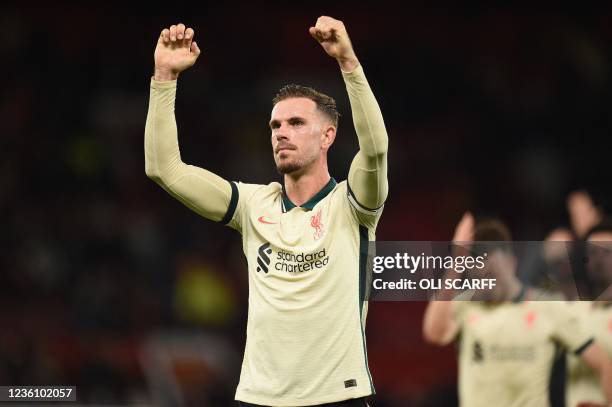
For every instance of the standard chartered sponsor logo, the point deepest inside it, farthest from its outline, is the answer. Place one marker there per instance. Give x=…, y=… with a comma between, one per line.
x=524, y=353
x=503, y=353
x=477, y=352
x=291, y=262
x=263, y=258
x=300, y=262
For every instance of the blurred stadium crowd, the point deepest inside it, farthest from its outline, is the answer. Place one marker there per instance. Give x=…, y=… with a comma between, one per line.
x=107, y=283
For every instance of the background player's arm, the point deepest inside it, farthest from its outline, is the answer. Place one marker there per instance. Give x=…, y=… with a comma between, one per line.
x=439, y=324
x=199, y=189
x=368, y=173
x=571, y=332
x=598, y=360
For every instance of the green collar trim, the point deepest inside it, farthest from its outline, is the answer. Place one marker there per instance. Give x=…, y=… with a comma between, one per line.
x=288, y=205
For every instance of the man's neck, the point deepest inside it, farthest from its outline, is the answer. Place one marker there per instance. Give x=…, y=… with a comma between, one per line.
x=301, y=187
x=512, y=288
x=506, y=289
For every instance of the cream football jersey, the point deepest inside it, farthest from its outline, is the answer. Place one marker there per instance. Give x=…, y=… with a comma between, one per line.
x=583, y=385
x=506, y=350
x=307, y=294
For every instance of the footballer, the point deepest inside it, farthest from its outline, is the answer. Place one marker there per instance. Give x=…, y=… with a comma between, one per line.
x=305, y=239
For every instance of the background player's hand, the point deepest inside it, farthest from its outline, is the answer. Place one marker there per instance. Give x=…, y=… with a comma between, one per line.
x=583, y=213
x=464, y=234
x=334, y=39
x=176, y=51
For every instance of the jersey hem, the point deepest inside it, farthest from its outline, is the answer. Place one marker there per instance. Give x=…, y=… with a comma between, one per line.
x=301, y=402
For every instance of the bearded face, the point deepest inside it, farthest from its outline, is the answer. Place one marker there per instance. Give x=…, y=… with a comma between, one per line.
x=298, y=134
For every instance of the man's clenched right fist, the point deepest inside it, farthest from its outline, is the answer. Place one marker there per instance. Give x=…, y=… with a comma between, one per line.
x=175, y=52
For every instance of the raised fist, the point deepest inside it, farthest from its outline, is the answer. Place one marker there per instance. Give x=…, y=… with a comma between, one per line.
x=464, y=232
x=583, y=213
x=176, y=51
x=334, y=39
x=464, y=235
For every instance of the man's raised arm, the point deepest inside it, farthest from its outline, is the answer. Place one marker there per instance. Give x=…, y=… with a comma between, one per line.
x=199, y=189
x=368, y=173
x=439, y=325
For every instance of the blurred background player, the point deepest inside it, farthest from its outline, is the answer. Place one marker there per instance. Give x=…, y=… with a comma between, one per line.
x=599, y=260
x=305, y=242
x=563, y=252
x=507, y=347
x=583, y=386
x=588, y=225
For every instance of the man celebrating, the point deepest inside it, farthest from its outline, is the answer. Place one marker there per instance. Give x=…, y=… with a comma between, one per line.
x=305, y=242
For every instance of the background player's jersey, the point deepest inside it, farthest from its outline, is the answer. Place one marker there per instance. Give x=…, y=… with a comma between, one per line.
x=307, y=307
x=582, y=382
x=506, y=350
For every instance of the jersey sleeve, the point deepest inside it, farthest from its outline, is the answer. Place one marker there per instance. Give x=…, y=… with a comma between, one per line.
x=201, y=190
x=568, y=329
x=368, y=185
x=241, y=202
x=362, y=216
x=366, y=217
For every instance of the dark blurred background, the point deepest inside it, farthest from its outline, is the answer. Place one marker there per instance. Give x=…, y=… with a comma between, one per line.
x=110, y=284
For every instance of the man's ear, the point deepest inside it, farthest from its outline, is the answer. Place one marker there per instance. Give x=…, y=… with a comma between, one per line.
x=328, y=136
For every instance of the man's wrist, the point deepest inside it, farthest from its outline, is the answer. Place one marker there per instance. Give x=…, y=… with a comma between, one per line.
x=162, y=75
x=348, y=64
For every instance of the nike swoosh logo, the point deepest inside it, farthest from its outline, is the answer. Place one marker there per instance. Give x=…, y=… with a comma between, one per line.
x=262, y=220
